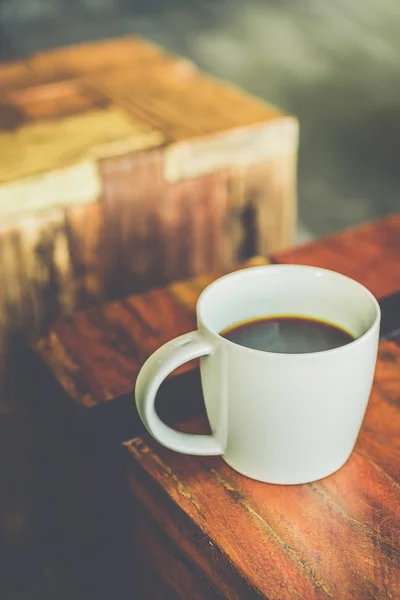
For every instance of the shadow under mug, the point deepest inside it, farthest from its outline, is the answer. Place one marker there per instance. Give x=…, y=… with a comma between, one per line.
x=278, y=418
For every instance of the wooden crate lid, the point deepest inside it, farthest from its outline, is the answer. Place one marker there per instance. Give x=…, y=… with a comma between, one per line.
x=71, y=107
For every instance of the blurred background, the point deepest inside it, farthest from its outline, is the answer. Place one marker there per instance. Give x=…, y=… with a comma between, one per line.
x=332, y=63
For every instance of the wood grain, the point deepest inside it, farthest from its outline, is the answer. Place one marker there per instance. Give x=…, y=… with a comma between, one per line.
x=336, y=538
x=370, y=254
x=162, y=562
x=172, y=104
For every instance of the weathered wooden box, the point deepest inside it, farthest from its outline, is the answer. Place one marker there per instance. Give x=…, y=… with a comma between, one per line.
x=123, y=168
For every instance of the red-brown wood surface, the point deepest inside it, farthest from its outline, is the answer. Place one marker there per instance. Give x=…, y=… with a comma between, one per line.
x=96, y=354
x=201, y=525
x=335, y=538
x=370, y=254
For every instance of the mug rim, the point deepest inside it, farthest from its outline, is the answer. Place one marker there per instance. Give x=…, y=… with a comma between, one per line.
x=241, y=273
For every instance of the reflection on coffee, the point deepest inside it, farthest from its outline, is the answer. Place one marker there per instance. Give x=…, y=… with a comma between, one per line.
x=288, y=335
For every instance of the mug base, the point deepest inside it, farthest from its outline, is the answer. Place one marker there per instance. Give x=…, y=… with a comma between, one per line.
x=284, y=481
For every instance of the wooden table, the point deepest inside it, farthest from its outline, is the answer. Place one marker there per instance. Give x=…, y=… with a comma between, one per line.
x=200, y=529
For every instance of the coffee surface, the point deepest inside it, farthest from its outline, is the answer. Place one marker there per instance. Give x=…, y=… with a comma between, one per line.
x=288, y=335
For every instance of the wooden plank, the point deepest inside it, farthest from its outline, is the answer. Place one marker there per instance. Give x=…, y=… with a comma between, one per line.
x=54, y=100
x=163, y=562
x=370, y=254
x=336, y=538
x=56, y=145
x=177, y=232
x=172, y=104
x=266, y=222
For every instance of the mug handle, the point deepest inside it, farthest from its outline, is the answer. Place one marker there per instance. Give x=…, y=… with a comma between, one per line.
x=160, y=364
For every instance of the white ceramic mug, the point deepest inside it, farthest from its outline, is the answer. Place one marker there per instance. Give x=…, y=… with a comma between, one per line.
x=278, y=418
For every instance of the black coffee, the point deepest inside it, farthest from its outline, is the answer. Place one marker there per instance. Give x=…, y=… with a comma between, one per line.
x=288, y=335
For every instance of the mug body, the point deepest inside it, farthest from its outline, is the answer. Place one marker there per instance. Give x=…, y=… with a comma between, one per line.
x=287, y=418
